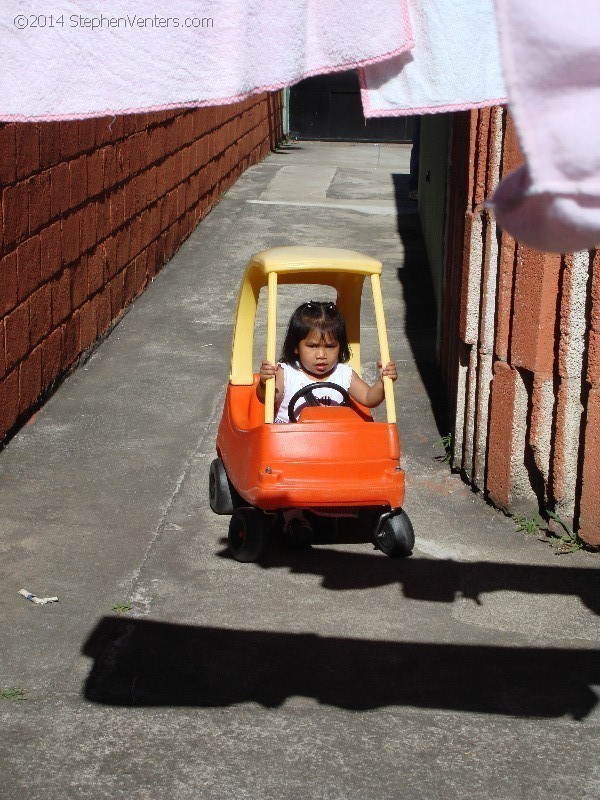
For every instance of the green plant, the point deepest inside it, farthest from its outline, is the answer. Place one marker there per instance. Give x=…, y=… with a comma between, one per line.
x=14, y=693
x=569, y=541
x=529, y=524
x=121, y=608
x=446, y=442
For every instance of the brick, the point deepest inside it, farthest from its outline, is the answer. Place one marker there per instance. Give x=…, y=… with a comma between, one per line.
x=9, y=402
x=8, y=283
x=49, y=144
x=60, y=190
x=29, y=275
x=69, y=139
x=590, y=490
x=40, y=211
x=506, y=270
x=30, y=380
x=86, y=131
x=117, y=208
x=103, y=311
x=61, y=297
x=593, y=366
x=51, y=358
x=50, y=251
x=88, y=234
x=110, y=256
x=8, y=154
x=129, y=283
x=17, y=334
x=71, y=249
x=135, y=236
x=3, y=368
x=129, y=199
x=88, y=329
x=137, y=152
x=95, y=173
x=156, y=144
x=40, y=314
x=141, y=192
x=95, y=273
x=115, y=288
x=71, y=340
x=109, y=166
x=15, y=208
x=533, y=341
x=27, y=149
x=141, y=272
x=499, y=477
x=123, y=247
x=161, y=180
x=122, y=161
x=129, y=124
x=78, y=181
x=180, y=193
x=79, y=282
x=103, y=227
x=106, y=130
x=152, y=260
x=146, y=235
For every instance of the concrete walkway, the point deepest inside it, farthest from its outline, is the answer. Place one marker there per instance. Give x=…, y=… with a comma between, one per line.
x=469, y=670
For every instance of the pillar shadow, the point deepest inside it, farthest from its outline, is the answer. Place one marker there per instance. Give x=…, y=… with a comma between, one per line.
x=144, y=663
x=419, y=297
x=433, y=580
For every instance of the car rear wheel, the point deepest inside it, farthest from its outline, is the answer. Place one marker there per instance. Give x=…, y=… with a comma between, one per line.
x=395, y=535
x=247, y=534
x=222, y=496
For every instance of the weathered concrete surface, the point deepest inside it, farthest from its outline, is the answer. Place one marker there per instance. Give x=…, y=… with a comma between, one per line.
x=470, y=670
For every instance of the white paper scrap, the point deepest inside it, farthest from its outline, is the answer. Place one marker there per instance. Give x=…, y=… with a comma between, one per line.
x=39, y=601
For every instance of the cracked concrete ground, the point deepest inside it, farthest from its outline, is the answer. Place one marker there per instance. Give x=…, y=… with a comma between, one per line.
x=469, y=670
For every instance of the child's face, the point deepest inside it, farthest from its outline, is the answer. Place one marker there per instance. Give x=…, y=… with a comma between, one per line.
x=318, y=353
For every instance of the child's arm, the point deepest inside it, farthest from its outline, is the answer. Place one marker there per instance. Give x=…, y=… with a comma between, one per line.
x=371, y=396
x=268, y=370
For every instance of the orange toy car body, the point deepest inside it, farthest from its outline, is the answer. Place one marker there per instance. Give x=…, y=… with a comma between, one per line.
x=334, y=457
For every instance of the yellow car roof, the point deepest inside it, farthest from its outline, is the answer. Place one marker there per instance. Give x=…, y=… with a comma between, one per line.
x=285, y=260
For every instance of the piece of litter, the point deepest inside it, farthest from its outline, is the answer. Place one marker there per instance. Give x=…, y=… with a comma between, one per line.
x=39, y=601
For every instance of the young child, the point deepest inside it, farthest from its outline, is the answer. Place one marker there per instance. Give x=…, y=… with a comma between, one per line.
x=316, y=349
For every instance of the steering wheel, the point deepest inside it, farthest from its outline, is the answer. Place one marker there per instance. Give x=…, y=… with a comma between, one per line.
x=307, y=391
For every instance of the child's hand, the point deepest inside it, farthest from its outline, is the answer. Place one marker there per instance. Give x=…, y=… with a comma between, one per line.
x=267, y=370
x=389, y=371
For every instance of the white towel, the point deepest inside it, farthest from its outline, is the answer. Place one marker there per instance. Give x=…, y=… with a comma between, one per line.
x=75, y=58
x=455, y=63
x=551, y=59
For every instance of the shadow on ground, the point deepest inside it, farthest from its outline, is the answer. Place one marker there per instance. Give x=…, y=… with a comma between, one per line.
x=419, y=297
x=435, y=580
x=138, y=662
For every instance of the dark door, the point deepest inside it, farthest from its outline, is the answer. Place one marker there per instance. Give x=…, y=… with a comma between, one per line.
x=329, y=107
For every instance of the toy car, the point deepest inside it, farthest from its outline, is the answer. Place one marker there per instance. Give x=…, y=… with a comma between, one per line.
x=335, y=460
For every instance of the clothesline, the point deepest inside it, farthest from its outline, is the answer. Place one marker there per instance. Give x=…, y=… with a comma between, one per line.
x=413, y=57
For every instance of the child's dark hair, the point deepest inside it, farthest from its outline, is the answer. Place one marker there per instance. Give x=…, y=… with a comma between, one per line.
x=315, y=315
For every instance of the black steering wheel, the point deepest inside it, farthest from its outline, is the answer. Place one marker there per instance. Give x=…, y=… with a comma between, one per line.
x=307, y=391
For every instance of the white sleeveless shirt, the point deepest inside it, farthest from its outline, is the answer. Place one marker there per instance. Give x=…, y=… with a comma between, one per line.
x=294, y=379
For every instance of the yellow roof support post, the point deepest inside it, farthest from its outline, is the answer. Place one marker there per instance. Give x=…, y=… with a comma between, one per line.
x=388, y=384
x=271, y=345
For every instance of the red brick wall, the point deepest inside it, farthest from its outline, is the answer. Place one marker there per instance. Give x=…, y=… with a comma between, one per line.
x=520, y=344
x=90, y=211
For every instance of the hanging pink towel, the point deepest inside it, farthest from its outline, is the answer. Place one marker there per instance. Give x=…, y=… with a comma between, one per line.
x=551, y=60
x=455, y=63
x=79, y=58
